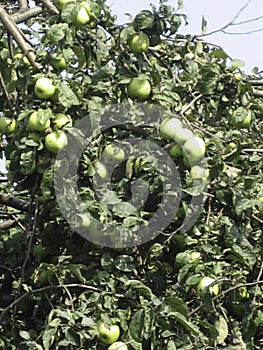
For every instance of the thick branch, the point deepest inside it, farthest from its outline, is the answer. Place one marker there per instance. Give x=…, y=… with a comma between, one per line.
x=254, y=82
x=15, y=203
x=23, y=16
x=258, y=93
x=13, y=30
x=23, y=5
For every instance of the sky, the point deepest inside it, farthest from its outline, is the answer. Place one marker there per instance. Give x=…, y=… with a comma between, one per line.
x=246, y=47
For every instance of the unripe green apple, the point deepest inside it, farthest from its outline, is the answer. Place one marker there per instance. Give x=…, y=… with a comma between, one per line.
x=82, y=18
x=59, y=63
x=182, y=135
x=205, y=284
x=7, y=126
x=139, y=88
x=85, y=220
x=139, y=43
x=119, y=345
x=194, y=149
x=100, y=169
x=108, y=335
x=55, y=141
x=175, y=151
x=237, y=76
x=35, y=124
x=169, y=127
x=113, y=153
x=244, y=123
x=44, y=88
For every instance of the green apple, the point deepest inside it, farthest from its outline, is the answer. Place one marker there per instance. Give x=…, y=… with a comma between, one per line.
x=113, y=153
x=97, y=168
x=82, y=18
x=205, y=285
x=139, y=88
x=169, y=127
x=261, y=199
x=119, y=345
x=194, y=149
x=182, y=135
x=60, y=3
x=108, y=335
x=175, y=151
x=199, y=172
x=55, y=141
x=44, y=88
x=59, y=63
x=61, y=120
x=7, y=126
x=139, y=43
x=35, y=124
x=39, y=251
x=241, y=123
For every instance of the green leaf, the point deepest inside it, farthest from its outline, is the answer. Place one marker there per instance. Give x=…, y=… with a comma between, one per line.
x=141, y=288
x=125, y=263
x=143, y=20
x=66, y=96
x=236, y=64
x=57, y=32
x=136, y=327
x=222, y=328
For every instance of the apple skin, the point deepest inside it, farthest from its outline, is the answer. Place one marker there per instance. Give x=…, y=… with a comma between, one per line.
x=108, y=335
x=139, y=43
x=44, y=88
x=119, y=345
x=194, y=149
x=35, y=125
x=204, y=284
x=195, y=257
x=175, y=151
x=55, y=141
x=59, y=64
x=113, y=153
x=7, y=126
x=243, y=124
x=139, y=88
x=169, y=127
x=82, y=17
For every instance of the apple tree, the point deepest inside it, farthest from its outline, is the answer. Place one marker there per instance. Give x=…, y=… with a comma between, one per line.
x=132, y=184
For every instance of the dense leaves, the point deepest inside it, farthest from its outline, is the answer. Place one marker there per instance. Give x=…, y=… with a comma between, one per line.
x=55, y=285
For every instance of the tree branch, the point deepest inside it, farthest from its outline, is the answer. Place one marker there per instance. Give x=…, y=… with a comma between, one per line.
x=13, y=30
x=15, y=203
x=50, y=6
x=254, y=82
x=257, y=93
x=5, y=225
x=23, y=5
x=23, y=16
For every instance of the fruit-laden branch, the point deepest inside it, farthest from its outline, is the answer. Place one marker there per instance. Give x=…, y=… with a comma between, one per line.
x=16, y=203
x=13, y=30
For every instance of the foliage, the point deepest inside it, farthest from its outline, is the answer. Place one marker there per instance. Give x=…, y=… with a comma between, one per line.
x=55, y=284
